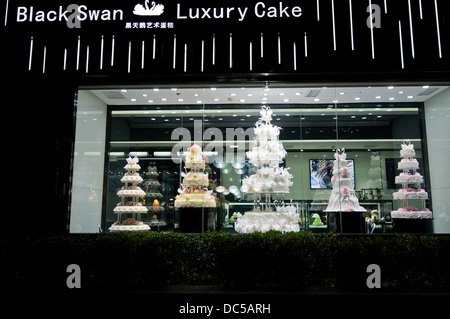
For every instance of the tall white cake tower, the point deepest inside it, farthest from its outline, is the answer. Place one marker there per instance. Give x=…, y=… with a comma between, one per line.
x=266, y=154
x=410, y=180
x=343, y=197
x=129, y=199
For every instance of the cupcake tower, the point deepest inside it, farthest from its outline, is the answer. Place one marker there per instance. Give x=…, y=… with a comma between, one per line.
x=410, y=181
x=129, y=203
x=193, y=191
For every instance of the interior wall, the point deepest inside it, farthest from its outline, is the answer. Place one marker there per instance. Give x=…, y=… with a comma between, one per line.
x=88, y=164
x=437, y=119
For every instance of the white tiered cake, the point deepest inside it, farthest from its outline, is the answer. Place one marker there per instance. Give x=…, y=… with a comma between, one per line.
x=342, y=198
x=129, y=203
x=266, y=154
x=406, y=193
x=193, y=191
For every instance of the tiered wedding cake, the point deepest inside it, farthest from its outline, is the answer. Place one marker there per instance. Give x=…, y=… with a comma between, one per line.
x=342, y=198
x=129, y=203
x=193, y=191
x=410, y=177
x=266, y=154
x=153, y=196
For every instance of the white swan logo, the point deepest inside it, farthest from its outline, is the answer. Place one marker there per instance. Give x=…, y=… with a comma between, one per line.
x=155, y=10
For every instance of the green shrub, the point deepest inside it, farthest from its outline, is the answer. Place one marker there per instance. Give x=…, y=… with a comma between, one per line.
x=271, y=260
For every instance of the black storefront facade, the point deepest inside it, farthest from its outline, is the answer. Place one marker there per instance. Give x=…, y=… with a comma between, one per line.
x=54, y=51
x=359, y=75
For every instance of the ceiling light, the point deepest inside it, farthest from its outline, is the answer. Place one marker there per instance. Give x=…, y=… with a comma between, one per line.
x=133, y=100
x=341, y=93
x=195, y=94
x=248, y=115
x=353, y=116
x=425, y=87
x=364, y=117
x=174, y=89
x=401, y=92
x=213, y=89
x=391, y=98
x=199, y=102
x=281, y=93
x=150, y=101
x=249, y=94
x=378, y=97
x=285, y=100
x=162, y=154
x=241, y=100
x=316, y=100
x=287, y=114
x=409, y=97
x=123, y=90
x=164, y=99
x=156, y=89
x=357, y=98
x=390, y=87
x=232, y=94
x=153, y=119
x=144, y=95
x=166, y=120
x=180, y=100
x=234, y=115
x=298, y=93
x=216, y=100
x=379, y=116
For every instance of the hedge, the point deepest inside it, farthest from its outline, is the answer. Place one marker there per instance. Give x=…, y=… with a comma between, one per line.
x=153, y=260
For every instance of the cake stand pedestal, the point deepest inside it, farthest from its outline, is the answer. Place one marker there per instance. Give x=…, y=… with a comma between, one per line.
x=196, y=219
x=407, y=225
x=352, y=222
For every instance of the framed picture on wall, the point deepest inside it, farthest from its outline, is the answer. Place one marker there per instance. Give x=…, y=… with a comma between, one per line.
x=321, y=171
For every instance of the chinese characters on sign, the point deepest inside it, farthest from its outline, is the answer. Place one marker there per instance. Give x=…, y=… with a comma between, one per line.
x=149, y=25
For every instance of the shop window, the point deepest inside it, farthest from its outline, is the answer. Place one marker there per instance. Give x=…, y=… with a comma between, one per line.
x=159, y=123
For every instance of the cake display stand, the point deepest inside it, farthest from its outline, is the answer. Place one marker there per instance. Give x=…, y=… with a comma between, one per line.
x=130, y=204
x=412, y=216
x=344, y=214
x=153, y=197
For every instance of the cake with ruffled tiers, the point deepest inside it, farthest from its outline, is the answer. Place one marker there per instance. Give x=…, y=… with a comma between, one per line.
x=410, y=187
x=193, y=191
x=266, y=154
x=129, y=202
x=343, y=197
x=271, y=179
x=283, y=219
